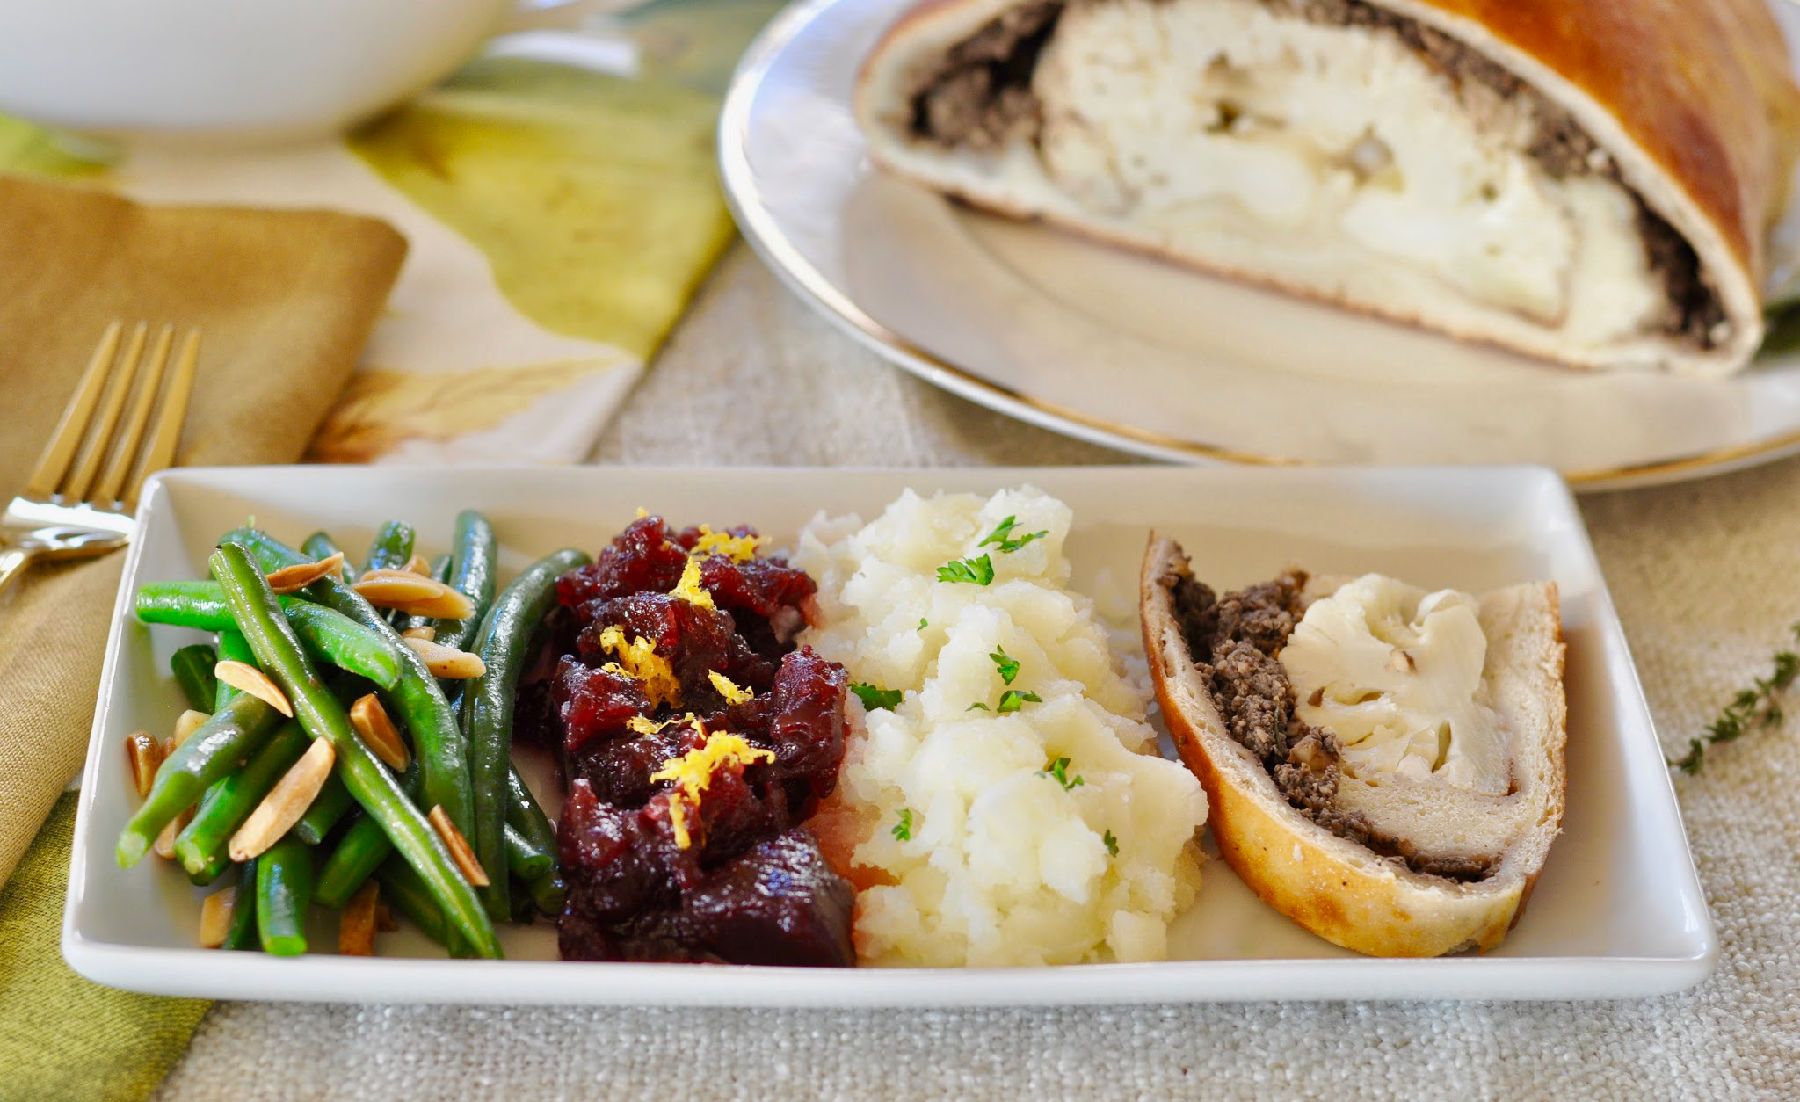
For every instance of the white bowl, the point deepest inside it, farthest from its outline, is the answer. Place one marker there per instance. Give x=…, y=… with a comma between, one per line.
x=259, y=70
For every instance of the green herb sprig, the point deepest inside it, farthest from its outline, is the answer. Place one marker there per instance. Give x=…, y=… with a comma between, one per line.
x=1006, y=664
x=902, y=830
x=974, y=571
x=1112, y=843
x=1058, y=771
x=1001, y=537
x=1012, y=699
x=1752, y=709
x=874, y=696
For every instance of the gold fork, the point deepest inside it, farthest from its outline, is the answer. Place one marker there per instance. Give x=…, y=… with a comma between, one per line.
x=81, y=499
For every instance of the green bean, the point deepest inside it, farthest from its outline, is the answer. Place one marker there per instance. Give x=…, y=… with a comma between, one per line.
x=401, y=886
x=327, y=808
x=284, y=886
x=523, y=859
x=472, y=575
x=232, y=734
x=392, y=547
x=200, y=847
x=548, y=893
x=320, y=545
x=437, y=738
x=505, y=641
x=232, y=648
x=331, y=635
x=360, y=850
x=193, y=670
x=525, y=816
x=242, y=934
x=279, y=654
x=440, y=569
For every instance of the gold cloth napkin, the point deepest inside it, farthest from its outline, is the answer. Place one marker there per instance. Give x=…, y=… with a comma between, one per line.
x=285, y=300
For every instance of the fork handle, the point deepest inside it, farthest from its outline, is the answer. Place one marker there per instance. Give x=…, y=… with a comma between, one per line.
x=13, y=561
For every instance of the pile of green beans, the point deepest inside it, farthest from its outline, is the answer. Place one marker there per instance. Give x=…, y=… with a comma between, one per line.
x=325, y=646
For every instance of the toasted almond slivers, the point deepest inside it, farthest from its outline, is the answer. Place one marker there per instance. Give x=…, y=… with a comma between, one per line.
x=384, y=918
x=285, y=803
x=215, y=917
x=419, y=565
x=249, y=679
x=145, y=752
x=356, y=928
x=292, y=579
x=373, y=726
x=187, y=723
x=448, y=662
x=426, y=632
x=412, y=594
x=165, y=842
x=458, y=846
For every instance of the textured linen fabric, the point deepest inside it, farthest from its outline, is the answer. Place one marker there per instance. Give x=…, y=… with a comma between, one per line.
x=1706, y=576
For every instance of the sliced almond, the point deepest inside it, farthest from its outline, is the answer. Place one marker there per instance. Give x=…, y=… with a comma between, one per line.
x=419, y=565
x=247, y=678
x=292, y=579
x=356, y=928
x=215, y=917
x=165, y=842
x=145, y=753
x=427, y=633
x=285, y=803
x=384, y=918
x=372, y=725
x=458, y=846
x=415, y=595
x=448, y=662
x=187, y=723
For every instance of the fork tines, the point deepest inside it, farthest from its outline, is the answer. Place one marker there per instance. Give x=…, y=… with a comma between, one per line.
x=93, y=458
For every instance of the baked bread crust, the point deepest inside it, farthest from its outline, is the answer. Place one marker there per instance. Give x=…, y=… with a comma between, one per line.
x=1695, y=103
x=1334, y=887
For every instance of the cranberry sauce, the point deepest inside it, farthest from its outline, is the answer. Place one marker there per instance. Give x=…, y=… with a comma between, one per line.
x=695, y=740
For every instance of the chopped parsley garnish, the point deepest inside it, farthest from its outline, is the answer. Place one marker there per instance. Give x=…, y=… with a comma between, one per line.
x=1009, y=667
x=924, y=623
x=976, y=571
x=1001, y=537
x=874, y=697
x=978, y=704
x=1058, y=771
x=1112, y=843
x=1751, y=709
x=902, y=830
x=1012, y=699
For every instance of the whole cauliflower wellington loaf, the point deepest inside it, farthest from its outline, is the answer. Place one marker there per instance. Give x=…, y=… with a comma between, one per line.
x=1588, y=183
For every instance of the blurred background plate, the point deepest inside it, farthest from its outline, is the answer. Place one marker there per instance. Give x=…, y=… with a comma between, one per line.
x=1131, y=352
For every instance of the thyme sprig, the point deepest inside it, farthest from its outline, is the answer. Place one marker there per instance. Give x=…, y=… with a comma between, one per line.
x=1752, y=709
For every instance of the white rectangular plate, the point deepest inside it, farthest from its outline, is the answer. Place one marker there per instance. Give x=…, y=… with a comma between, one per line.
x=1617, y=912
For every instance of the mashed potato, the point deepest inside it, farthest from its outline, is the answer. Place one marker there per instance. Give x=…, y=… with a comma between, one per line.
x=981, y=826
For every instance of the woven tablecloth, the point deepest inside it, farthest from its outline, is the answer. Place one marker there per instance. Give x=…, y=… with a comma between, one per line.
x=1706, y=576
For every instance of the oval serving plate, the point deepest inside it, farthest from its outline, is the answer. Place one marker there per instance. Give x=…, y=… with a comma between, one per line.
x=1138, y=354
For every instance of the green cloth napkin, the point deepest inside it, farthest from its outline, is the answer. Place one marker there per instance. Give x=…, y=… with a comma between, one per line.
x=100, y=1043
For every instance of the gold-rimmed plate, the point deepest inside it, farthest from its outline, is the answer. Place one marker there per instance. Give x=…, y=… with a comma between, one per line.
x=1129, y=351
